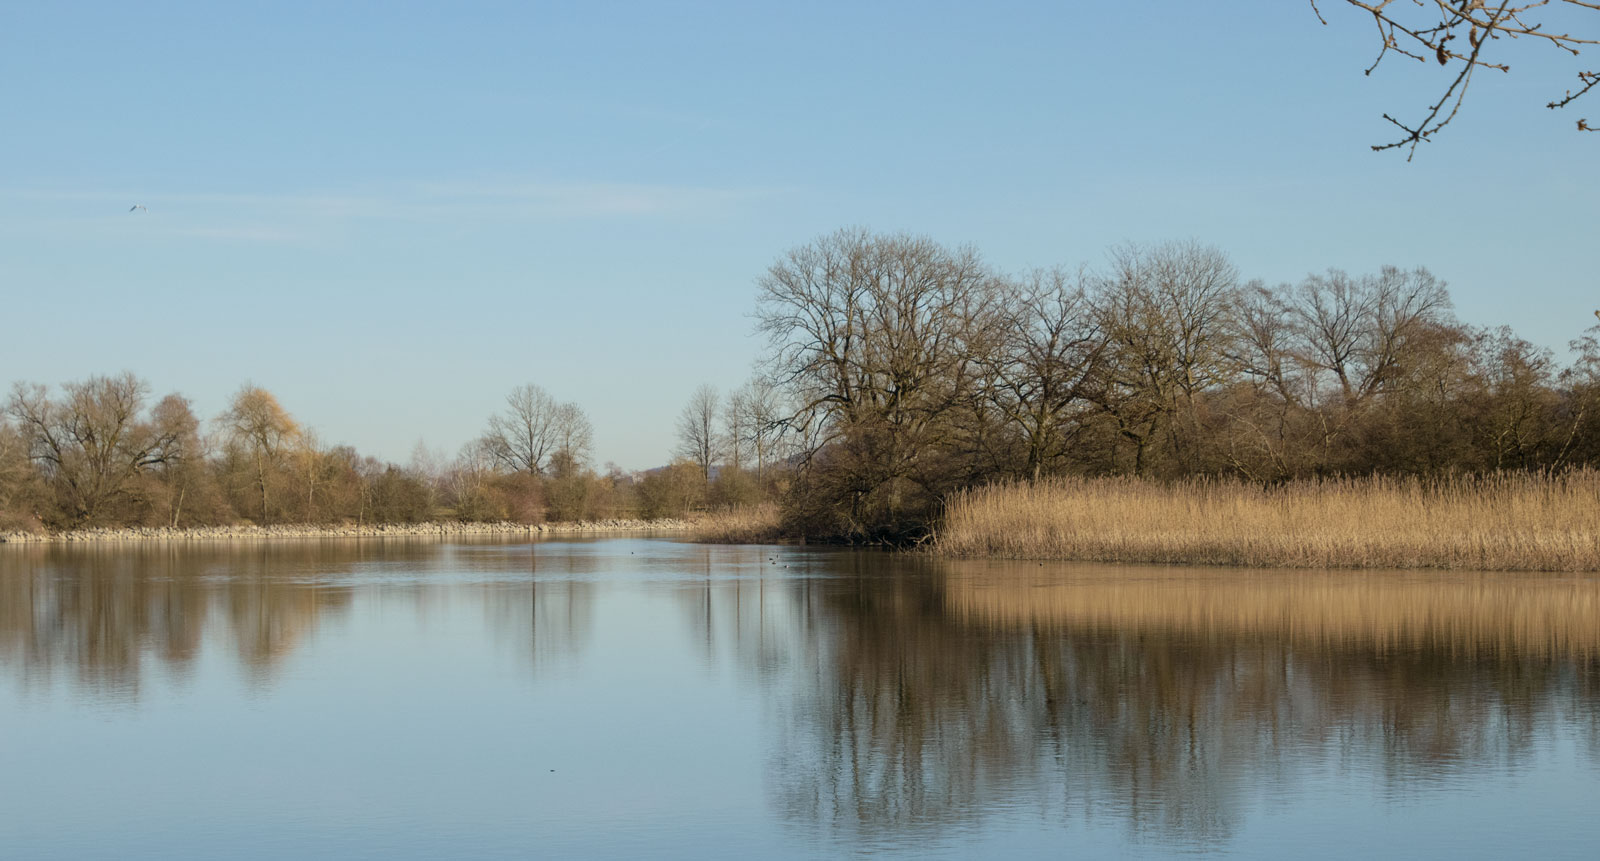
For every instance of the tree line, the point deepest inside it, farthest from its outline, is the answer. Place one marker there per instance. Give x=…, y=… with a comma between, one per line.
x=102, y=452
x=898, y=371
x=912, y=370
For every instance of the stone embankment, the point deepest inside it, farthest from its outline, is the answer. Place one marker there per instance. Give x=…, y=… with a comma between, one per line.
x=381, y=530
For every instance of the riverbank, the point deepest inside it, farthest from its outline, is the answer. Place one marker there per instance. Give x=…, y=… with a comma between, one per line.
x=444, y=529
x=1512, y=522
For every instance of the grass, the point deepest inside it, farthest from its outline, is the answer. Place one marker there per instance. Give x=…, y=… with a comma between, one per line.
x=1505, y=522
x=750, y=524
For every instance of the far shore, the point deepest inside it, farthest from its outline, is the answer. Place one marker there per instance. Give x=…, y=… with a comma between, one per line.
x=436, y=529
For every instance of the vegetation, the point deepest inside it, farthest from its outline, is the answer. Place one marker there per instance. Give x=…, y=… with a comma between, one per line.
x=1501, y=522
x=915, y=372
x=1456, y=35
x=99, y=454
x=903, y=375
x=761, y=523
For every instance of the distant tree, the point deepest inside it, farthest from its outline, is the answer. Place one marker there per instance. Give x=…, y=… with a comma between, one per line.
x=523, y=437
x=258, y=427
x=1050, y=348
x=469, y=484
x=91, y=443
x=758, y=420
x=182, y=475
x=428, y=466
x=1515, y=404
x=735, y=432
x=574, y=438
x=1579, y=437
x=671, y=491
x=17, y=479
x=698, y=439
x=395, y=495
x=1355, y=333
x=1165, y=313
x=1456, y=34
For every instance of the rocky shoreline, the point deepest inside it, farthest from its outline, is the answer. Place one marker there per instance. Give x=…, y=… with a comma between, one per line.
x=380, y=530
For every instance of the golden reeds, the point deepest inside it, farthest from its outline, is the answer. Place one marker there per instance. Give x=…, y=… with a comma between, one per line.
x=1504, y=522
x=749, y=524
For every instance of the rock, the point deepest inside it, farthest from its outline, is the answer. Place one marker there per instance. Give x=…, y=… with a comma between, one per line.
x=302, y=531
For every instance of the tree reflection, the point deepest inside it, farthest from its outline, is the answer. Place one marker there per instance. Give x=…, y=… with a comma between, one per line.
x=101, y=617
x=546, y=614
x=909, y=696
x=97, y=615
x=1171, y=700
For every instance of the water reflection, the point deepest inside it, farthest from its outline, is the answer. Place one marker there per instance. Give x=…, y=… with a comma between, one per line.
x=547, y=618
x=907, y=698
x=97, y=615
x=101, y=618
x=1175, y=700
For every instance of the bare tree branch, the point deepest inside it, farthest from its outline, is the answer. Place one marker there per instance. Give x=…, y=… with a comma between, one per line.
x=1456, y=32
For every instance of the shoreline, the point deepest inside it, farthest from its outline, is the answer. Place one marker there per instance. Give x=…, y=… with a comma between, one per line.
x=432, y=529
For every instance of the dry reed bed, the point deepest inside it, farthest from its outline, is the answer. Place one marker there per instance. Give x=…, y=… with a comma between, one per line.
x=1523, y=614
x=751, y=524
x=1503, y=522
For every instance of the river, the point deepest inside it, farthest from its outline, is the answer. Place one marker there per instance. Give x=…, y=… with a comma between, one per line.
x=641, y=697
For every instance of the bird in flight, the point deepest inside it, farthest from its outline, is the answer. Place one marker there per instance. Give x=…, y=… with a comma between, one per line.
x=138, y=206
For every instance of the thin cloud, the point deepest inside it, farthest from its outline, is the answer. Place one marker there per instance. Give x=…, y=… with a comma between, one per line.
x=428, y=201
x=241, y=234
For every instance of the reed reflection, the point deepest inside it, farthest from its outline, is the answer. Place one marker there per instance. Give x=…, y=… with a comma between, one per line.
x=1170, y=700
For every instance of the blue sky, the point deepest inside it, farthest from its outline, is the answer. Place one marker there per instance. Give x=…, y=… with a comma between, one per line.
x=390, y=214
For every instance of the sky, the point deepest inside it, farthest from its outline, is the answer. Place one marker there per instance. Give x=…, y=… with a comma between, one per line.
x=391, y=214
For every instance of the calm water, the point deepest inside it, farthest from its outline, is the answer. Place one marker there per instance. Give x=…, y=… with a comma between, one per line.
x=633, y=697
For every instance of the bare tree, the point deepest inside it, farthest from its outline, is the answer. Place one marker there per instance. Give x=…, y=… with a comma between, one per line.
x=1269, y=411
x=429, y=466
x=182, y=471
x=468, y=482
x=92, y=442
x=1456, y=35
x=523, y=437
x=735, y=430
x=15, y=469
x=879, y=338
x=263, y=430
x=574, y=438
x=1051, y=346
x=1165, y=314
x=698, y=439
x=1518, y=416
x=1356, y=331
x=757, y=420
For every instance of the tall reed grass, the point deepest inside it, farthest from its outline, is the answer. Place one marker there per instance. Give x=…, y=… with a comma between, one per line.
x=1503, y=522
x=750, y=524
